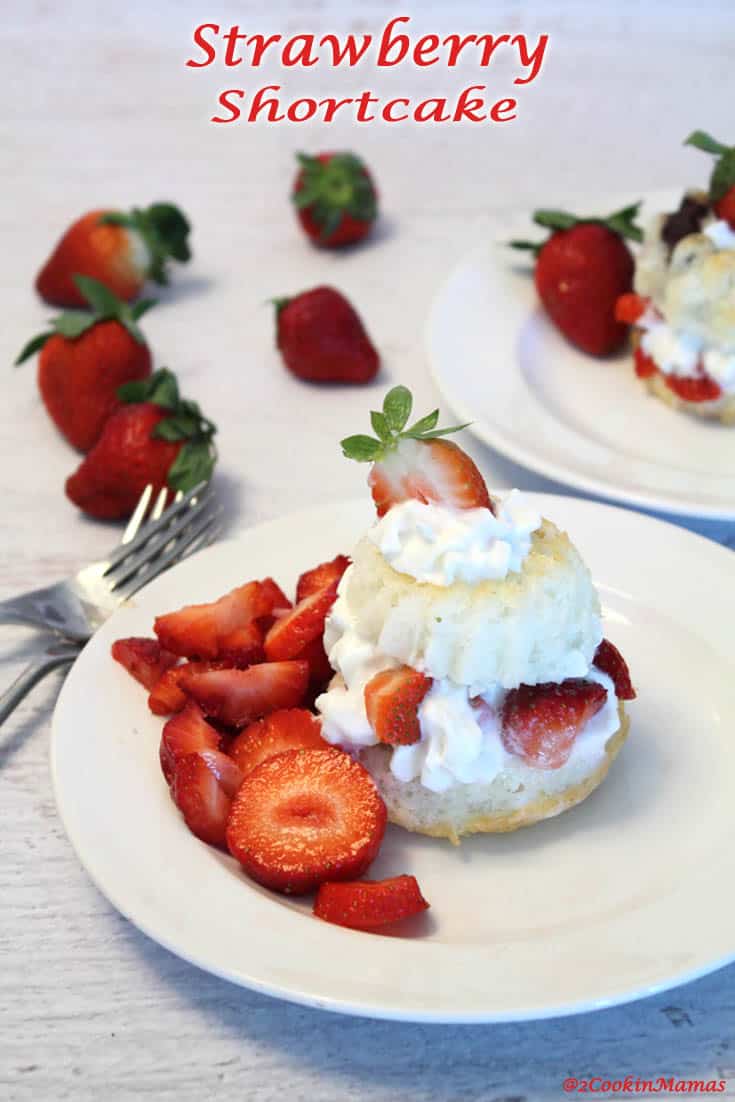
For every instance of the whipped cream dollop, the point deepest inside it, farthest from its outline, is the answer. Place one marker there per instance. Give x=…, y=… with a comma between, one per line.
x=440, y=545
x=721, y=234
x=685, y=354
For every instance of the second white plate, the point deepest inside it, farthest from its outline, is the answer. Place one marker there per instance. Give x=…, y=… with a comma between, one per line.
x=501, y=364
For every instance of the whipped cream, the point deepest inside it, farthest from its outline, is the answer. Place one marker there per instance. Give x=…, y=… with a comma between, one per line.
x=685, y=354
x=435, y=544
x=721, y=234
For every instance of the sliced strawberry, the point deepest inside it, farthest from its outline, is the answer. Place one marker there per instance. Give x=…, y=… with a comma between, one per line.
x=304, y=817
x=320, y=671
x=291, y=633
x=630, y=307
x=287, y=729
x=392, y=700
x=203, y=786
x=237, y=697
x=541, y=722
x=144, y=659
x=311, y=581
x=243, y=647
x=369, y=904
x=436, y=471
x=167, y=696
x=186, y=733
x=273, y=593
x=698, y=388
x=644, y=365
x=198, y=630
x=609, y=659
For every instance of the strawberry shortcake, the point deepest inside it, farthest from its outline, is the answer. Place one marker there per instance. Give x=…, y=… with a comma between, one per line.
x=471, y=675
x=683, y=309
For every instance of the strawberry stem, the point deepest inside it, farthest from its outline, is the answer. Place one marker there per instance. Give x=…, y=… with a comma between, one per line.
x=723, y=174
x=621, y=222
x=390, y=427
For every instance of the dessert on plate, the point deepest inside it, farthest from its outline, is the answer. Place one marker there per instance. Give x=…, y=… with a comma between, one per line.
x=471, y=675
x=683, y=309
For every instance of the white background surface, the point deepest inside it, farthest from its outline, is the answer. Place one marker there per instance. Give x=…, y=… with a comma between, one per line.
x=98, y=109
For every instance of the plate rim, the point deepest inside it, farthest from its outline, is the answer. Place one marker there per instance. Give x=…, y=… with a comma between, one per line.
x=364, y=1007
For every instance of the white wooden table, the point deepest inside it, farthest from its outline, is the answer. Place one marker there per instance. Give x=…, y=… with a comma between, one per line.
x=98, y=108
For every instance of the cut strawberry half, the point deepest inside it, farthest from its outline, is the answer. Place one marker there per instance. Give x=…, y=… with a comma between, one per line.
x=369, y=904
x=392, y=700
x=286, y=729
x=630, y=307
x=291, y=633
x=541, y=722
x=237, y=697
x=186, y=733
x=432, y=471
x=144, y=659
x=645, y=366
x=319, y=577
x=320, y=671
x=697, y=388
x=304, y=817
x=203, y=786
x=167, y=697
x=198, y=631
x=609, y=659
x=272, y=593
x=243, y=647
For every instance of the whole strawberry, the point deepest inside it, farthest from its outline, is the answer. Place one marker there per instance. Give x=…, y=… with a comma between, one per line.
x=120, y=250
x=85, y=356
x=722, y=180
x=322, y=339
x=155, y=437
x=581, y=270
x=335, y=198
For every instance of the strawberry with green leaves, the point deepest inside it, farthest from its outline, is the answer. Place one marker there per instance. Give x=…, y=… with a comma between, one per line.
x=155, y=437
x=582, y=269
x=416, y=462
x=84, y=356
x=722, y=180
x=335, y=198
x=121, y=250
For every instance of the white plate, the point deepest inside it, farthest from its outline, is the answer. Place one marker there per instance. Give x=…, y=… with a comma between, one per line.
x=501, y=364
x=630, y=893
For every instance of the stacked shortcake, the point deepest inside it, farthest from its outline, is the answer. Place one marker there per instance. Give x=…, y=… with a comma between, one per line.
x=472, y=679
x=684, y=307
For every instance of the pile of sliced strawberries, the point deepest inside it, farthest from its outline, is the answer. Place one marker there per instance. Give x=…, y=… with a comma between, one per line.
x=242, y=750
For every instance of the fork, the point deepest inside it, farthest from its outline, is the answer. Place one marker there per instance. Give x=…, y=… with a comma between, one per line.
x=75, y=607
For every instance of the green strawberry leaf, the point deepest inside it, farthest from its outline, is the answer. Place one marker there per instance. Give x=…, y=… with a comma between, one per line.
x=116, y=218
x=180, y=426
x=194, y=464
x=555, y=219
x=142, y=306
x=73, y=323
x=528, y=246
x=425, y=424
x=700, y=139
x=103, y=301
x=364, y=449
x=161, y=388
x=380, y=425
x=723, y=176
x=436, y=433
x=32, y=346
x=397, y=407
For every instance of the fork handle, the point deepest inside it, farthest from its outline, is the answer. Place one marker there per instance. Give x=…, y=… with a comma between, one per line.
x=30, y=676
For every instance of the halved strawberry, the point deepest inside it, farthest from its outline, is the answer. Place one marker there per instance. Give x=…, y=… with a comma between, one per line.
x=697, y=388
x=414, y=462
x=435, y=471
x=272, y=592
x=237, y=697
x=306, y=816
x=203, y=786
x=144, y=659
x=644, y=365
x=541, y=722
x=197, y=631
x=369, y=904
x=186, y=733
x=291, y=633
x=311, y=581
x=286, y=729
x=609, y=659
x=392, y=700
